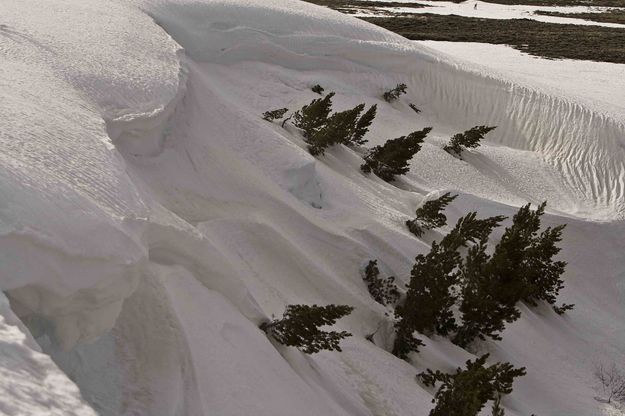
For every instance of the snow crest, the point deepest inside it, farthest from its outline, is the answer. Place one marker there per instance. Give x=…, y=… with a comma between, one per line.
x=150, y=219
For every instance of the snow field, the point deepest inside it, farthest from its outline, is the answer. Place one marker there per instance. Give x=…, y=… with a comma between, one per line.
x=210, y=220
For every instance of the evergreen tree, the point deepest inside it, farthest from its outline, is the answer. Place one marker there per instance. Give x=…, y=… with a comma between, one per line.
x=470, y=229
x=465, y=392
x=562, y=309
x=299, y=327
x=484, y=311
x=525, y=257
x=391, y=159
x=338, y=130
x=362, y=126
x=383, y=291
x=521, y=268
x=312, y=117
x=318, y=89
x=392, y=95
x=469, y=139
x=275, y=114
x=427, y=307
x=430, y=215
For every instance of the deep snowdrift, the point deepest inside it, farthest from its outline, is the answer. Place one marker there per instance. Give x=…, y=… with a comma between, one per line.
x=150, y=219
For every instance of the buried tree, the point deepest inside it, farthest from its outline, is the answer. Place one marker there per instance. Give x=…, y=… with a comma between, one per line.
x=322, y=130
x=465, y=392
x=299, y=327
x=362, y=127
x=312, y=117
x=470, y=139
x=338, y=129
x=383, y=291
x=427, y=307
x=391, y=159
x=430, y=215
x=392, y=95
x=275, y=114
x=521, y=268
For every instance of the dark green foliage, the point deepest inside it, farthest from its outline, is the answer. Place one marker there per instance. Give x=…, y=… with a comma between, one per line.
x=465, y=392
x=485, y=308
x=414, y=108
x=275, y=114
x=526, y=256
x=427, y=307
x=391, y=159
x=362, y=126
x=338, y=129
x=312, y=117
x=321, y=130
x=383, y=291
x=299, y=327
x=520, y=269
x=469, y=139
x=430, y=215
x=318, y=89
x=564, y=308
x=392, y=95
x=470, y=229
x=405, y=343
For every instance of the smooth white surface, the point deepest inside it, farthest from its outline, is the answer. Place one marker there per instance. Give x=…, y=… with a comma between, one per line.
x=150, y=219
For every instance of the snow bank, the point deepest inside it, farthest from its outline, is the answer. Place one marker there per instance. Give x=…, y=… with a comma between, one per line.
x=148, y=209
x=31, y=384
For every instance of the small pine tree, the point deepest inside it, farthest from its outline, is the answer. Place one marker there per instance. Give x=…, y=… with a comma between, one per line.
x=362, y=127
x=470, y=229
x=392, y=95
x=465, y=392
x=564, y=308
x=299, y=327
x=484, y=312
x=391, y=159
x=275, y=114
x=405, y=343
x=383, y=291
x=414, y=108
x=318, y=89
x=312, y=117
x=430, y=215
x=338, y=130
x=429, y=299
x=470, y=139
x=521, y=268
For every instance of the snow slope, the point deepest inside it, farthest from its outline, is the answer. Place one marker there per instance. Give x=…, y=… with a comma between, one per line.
x=150, y=219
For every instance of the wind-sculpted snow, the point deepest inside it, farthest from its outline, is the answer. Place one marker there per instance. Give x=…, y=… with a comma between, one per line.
x=150, y=219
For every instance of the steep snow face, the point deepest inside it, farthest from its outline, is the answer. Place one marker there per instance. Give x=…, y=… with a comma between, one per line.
x=70, y=84
x=31, y=383
x=147, y=207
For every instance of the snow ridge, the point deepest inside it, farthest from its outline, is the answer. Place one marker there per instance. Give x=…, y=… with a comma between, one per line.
x=150, y=219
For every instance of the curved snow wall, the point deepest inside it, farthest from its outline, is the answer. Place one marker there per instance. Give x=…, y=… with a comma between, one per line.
x=581, y=143
x=585, y=146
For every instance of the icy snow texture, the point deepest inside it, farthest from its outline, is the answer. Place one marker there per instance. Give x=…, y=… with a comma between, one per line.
x=31, y=383
x=147, y=207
